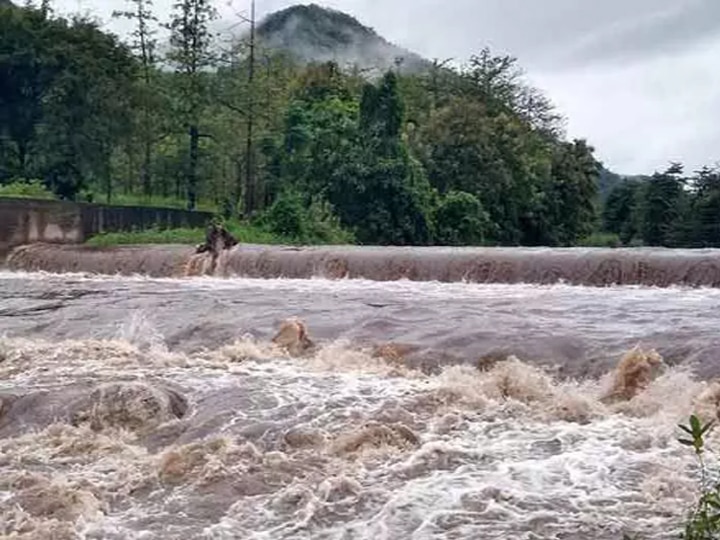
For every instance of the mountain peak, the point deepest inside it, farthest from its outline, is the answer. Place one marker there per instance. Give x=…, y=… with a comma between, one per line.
x=313, y=33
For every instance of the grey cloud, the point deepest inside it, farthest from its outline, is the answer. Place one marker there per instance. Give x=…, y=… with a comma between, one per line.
x=547, y=34
x=686, y=24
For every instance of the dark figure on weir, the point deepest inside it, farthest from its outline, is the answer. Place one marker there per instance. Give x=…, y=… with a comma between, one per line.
x=217, y=238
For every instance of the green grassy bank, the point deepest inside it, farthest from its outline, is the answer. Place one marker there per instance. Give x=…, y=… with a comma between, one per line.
x=247, y=234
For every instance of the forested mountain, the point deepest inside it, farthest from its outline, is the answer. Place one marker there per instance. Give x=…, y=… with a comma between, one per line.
x=607, y=181
x=313, y=33
x=470, y=155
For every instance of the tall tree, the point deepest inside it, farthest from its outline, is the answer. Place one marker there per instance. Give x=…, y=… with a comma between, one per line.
x=662, y=207
x=144, y=44
x=250, y=187
x=191, y=53
x=499, y=82
x=706, y=207
x=620, y=211
x=573, y=188
x=381, y=190
x=63, y=98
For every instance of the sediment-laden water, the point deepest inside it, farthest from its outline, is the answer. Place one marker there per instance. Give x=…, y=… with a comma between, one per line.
x=158, y=408
x=590, y=267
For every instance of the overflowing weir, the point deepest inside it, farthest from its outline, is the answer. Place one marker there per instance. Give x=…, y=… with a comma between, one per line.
x=576, y=266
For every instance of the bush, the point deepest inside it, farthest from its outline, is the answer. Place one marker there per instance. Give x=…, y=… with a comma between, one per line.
x=704, y=520
x=324, y=226
x=461, y=220
x=26, y=189
x=608, y=240
x=289, y=217
x=243, y=232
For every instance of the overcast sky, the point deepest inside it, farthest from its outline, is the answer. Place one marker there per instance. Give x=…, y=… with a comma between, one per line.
x=638, y=78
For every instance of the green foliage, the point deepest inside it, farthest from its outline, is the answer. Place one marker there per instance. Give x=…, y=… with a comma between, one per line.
x=620, y=210
x=287, y=216
x=65, y=88
x=190, y=53
x=26, y=189
x=451, y=156
x=460, y=220
x=661, y=209
x=291, y=218
x=666, y=209
x=601, y=240
x=247, y=234
x=704, y=208
x=380, y=190
x=535, y=191
x=98, y=120
x=704, y=520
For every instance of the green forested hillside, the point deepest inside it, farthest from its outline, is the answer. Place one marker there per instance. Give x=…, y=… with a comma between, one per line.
x=469, y=155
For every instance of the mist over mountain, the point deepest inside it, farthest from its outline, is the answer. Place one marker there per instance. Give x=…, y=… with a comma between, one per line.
x=312, y=33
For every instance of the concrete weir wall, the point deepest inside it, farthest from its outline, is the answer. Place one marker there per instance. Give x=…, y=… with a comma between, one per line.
x=27, y=221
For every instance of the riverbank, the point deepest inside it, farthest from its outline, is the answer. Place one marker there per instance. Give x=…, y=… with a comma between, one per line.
x=253, y=234
x=245, y=234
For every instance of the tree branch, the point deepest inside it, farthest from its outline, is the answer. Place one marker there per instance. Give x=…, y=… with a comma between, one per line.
x=232, y=107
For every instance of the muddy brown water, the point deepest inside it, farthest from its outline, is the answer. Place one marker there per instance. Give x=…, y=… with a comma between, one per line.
x=156, y=407
x=590, y=267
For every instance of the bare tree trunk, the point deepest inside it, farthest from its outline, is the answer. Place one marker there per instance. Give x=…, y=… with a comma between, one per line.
x=249, y=161
x=22, y=152
x=146, y=176
x=192, y=167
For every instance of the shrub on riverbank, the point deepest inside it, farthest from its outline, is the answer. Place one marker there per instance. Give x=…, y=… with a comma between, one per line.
x=601, y=240
x=26, y=189
x=245, y=234
x=313, y=224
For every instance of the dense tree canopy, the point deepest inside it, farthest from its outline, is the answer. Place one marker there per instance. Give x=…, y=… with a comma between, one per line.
x=669, y=209
x=469, y=155
x=65, y=91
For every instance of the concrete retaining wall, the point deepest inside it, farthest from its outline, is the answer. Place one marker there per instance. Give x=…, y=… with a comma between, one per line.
x=26, y=221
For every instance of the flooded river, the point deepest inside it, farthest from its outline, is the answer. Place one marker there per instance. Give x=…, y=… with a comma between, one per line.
x=158, y=408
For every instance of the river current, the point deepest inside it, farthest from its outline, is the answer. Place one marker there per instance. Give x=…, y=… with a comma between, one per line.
x=158, y=408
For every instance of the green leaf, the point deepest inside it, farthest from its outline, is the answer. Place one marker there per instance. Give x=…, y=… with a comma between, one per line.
x=695, y=424
x=686, y=442
x=685, y=429
x=707, y=427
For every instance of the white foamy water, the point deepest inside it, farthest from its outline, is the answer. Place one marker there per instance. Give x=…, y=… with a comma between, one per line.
x=138, y=408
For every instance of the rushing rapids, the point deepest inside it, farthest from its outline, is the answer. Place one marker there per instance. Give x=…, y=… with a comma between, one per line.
x=590, y=267
x=163, y=408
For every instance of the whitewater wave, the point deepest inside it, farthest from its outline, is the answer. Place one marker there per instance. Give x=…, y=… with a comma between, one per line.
x=124, y=438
